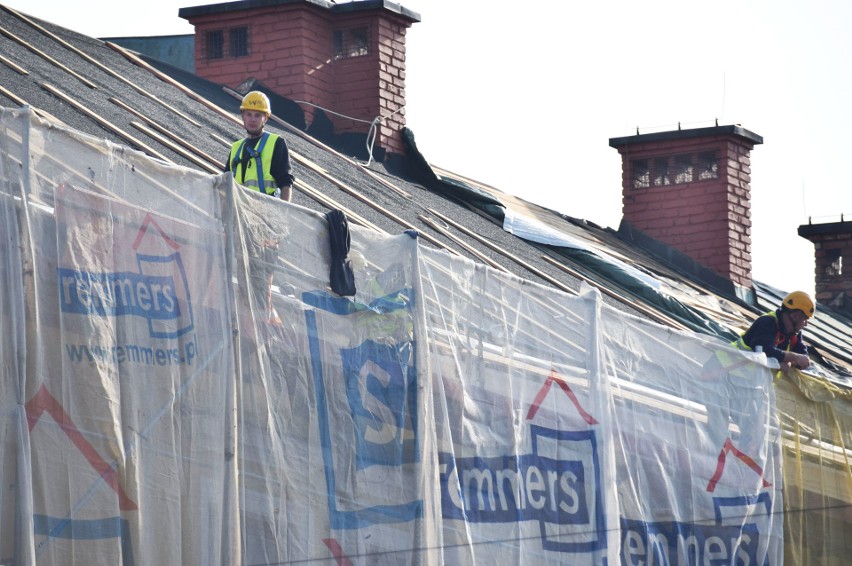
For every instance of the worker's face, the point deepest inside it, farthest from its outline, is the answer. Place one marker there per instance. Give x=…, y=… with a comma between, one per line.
x=253, y=121
x=799, y=320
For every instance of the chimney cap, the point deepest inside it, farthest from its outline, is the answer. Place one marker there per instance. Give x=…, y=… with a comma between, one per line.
x=355, y=6
x=808, y=231
x=731, y=130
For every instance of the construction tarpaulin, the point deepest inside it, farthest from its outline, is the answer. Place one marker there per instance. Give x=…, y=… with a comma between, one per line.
x=180, y=385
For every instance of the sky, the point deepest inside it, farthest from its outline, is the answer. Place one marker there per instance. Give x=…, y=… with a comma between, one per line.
x=524, y=96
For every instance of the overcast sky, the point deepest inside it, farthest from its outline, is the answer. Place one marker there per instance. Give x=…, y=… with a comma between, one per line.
x=525, y=96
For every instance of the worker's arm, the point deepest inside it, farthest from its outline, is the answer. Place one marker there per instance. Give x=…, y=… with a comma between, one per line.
x=798, y=354
x=762, y=333
x=281, y=169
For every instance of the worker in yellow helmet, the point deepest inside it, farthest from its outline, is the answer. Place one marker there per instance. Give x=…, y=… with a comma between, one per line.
x=779, y=332
x=261, y=161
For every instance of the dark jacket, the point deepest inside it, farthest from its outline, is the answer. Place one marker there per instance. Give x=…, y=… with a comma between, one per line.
x=767, y=332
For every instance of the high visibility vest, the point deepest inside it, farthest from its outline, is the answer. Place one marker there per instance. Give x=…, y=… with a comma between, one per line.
x=256, y=173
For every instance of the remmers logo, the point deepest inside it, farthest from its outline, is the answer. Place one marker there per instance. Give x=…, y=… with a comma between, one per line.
x=556, y=485
x=561, y=494
x=157, y=290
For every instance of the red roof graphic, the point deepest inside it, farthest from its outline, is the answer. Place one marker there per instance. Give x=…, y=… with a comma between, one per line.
x=149, y=222
x=742, y=456
x=545, y=389
x=43, y=402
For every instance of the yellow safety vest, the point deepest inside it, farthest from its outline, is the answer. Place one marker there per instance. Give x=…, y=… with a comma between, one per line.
x=740, y=343
x=261, y=161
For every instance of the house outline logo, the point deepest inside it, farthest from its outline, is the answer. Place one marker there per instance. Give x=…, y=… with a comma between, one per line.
x=565, y=388
x=580, y=537
x=43, y=402
x=561, y=494
x=157, y=291
x=729, y=448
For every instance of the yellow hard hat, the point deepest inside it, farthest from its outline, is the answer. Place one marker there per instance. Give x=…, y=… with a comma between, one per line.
x=256, y=100
x=799, y=300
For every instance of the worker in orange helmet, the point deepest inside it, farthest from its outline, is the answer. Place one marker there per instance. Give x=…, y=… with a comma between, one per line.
x=261, y=161
x=779, y=332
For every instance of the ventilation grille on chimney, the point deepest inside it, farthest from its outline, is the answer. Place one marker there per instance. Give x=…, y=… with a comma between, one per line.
x=238, y=38
x=352, y=42
x=238, y=43
x=674, y=170
x=835, y=262
x=214, y=44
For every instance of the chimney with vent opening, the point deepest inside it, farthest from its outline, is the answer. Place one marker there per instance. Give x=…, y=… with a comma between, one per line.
x=832, y=242
x=690, y=190
x=348, y=58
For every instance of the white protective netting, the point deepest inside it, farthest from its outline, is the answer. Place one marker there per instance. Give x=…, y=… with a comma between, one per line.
x=180, y=386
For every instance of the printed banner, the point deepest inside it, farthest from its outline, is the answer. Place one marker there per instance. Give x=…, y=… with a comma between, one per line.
x=191, y=390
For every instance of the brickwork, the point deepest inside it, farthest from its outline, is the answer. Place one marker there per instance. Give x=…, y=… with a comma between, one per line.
x=709, y=219
x=292, y=52
x=289, y=52
x=833, y=275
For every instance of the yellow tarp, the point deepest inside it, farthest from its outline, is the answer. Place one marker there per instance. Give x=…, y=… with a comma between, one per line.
x=816, y=419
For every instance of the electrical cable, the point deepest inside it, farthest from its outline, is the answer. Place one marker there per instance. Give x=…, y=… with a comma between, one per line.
x=371, y=133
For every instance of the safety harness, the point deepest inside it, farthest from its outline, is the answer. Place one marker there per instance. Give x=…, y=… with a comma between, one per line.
x=779, y=337
x=254, y=153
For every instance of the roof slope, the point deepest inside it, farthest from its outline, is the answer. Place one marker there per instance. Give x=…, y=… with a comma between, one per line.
x=108, y=92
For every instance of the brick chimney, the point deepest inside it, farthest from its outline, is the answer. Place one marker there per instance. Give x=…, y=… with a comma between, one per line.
x=348, y=59
x=689, y=189
x=833, y=242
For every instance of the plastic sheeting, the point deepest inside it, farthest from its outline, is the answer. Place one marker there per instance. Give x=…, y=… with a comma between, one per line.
x=180, y=386
x=817, y=424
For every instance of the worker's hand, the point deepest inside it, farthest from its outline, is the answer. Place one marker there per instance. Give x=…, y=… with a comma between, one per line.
x=800, y=361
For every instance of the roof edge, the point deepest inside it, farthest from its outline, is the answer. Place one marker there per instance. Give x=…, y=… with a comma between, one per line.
x=842, y=227
x=730, y=130
x=360, y=6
